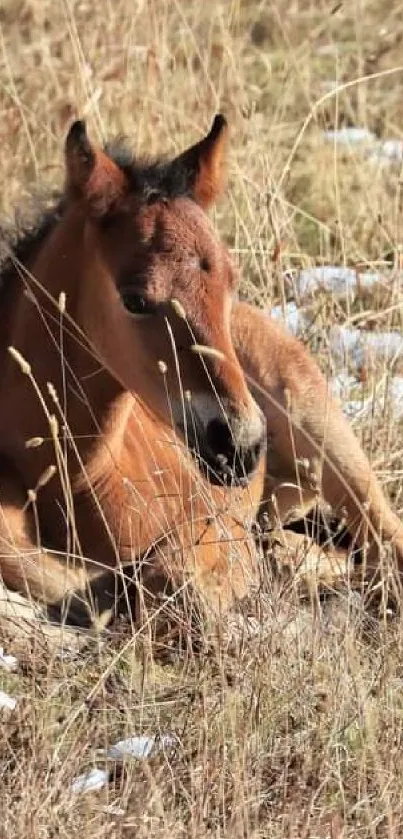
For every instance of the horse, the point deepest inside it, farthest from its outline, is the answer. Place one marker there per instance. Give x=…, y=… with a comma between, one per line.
x=148, y=417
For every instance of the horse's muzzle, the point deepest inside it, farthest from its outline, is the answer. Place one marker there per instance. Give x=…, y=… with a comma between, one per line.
x=229, y=452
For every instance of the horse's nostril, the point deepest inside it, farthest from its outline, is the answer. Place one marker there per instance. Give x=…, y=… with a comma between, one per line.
x=231, y=460
x=220, y=439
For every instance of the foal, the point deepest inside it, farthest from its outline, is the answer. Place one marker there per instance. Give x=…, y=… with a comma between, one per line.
x=129, y=438
x=121, y=304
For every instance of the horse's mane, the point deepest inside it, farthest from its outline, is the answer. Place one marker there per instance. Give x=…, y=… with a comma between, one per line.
x=150, y=180
x=21, y=237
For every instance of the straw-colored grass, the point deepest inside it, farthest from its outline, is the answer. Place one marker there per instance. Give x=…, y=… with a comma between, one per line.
x=290, y=723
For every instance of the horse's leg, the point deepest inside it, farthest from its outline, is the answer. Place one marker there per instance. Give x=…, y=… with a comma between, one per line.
x=310, y=442
x=25, y=566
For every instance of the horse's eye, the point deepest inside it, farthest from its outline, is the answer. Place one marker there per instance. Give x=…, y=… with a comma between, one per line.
x=136, y=304
x=205, y=263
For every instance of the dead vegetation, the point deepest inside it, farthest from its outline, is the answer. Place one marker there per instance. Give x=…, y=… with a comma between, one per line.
x=288, y=718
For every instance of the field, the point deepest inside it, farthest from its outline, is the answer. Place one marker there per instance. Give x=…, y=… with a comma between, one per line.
x=290, y=725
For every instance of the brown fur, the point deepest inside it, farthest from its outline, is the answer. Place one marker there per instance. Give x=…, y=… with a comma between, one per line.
x=126, y=493
x=305, y=425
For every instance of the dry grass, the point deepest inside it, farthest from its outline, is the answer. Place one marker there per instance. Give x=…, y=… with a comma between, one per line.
x=295, y=729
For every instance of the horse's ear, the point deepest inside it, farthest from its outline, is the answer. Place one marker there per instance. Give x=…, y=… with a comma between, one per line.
x=91, y=175
x=204, y=164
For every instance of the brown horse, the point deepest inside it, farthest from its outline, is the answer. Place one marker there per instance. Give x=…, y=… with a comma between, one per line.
x=129, y=438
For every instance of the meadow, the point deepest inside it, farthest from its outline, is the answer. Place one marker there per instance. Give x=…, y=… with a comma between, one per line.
x=288, y=723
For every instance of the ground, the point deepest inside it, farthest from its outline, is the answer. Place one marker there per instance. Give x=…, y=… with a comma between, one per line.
x=290, y=723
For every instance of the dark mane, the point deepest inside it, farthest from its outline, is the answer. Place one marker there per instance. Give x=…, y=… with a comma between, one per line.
x=18, y=241
x=150, y=180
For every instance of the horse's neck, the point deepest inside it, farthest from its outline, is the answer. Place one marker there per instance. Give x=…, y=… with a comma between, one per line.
x=8, y=303
x=28, y=307
x=52, y=343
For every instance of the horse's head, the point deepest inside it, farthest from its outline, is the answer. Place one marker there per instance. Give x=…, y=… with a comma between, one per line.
x=157, y=290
